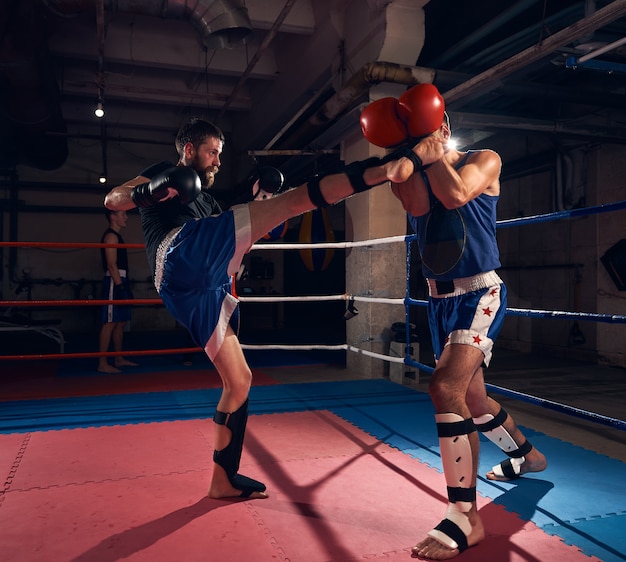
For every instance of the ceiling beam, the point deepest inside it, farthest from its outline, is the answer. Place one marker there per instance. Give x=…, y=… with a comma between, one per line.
x=485, y=80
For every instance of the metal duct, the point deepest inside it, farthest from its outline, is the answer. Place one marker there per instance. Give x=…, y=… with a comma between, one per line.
x=221, y=24
x=32, y=129
x=353, y=91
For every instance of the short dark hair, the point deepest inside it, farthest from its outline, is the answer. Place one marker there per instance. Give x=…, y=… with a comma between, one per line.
x=195, y=131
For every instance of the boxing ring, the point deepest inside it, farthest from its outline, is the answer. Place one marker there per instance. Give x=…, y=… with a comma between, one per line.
x=54, y=333
x=118, y=475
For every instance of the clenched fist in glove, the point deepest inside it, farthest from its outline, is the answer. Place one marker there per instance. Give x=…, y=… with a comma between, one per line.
x=382, y=125
x=180, y=181
x=421, y=108
x=389, y=122
x=269, y=181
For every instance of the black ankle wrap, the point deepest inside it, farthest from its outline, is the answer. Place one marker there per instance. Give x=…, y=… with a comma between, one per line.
x=315, y=194
x=405, y=152
x=355, y=171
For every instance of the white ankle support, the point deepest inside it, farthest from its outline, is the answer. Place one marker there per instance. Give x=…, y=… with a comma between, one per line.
x=460, y=520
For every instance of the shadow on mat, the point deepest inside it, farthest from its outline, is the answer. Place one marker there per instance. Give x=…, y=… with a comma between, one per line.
x=524, y=498
x=521, y=503
x=131, y=541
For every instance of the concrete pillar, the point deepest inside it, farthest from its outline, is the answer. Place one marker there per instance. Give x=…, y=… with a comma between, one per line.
x=373, y=271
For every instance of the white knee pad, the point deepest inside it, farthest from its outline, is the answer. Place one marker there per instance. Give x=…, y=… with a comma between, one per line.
x=456, y=457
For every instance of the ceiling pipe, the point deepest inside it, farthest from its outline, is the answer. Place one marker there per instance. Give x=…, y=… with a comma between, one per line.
x=486, y=79
x=30, y=94
x=601, y=50
x=495, y=122
x=262, y=48
x=458, y=49
x=221, y=24
x=355, y=88
x=377, y=72
x=492, y=54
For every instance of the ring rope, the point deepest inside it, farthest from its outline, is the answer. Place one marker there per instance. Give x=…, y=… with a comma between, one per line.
x=94, y=354
x=563, y=408
x=506, y=223
x=103, y=302
x=407, y=301
x=80, y=302
x=584, y=211
x=81, y=245
x=558, y=314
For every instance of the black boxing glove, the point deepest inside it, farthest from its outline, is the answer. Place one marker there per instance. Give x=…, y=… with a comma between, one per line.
x=182, y=179
x=267, y=182
x=354, y=171
x=270, y=179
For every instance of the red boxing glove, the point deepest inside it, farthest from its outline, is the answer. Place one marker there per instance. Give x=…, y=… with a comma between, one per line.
x=422, y=108
x=381, y=123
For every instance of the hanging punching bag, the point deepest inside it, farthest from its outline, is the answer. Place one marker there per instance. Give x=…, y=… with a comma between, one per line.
x=315, y=228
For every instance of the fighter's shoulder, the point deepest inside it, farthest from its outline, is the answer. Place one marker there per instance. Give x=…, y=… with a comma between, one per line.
x=483, y=155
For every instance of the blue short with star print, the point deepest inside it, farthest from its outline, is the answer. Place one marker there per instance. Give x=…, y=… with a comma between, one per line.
x=470, y=317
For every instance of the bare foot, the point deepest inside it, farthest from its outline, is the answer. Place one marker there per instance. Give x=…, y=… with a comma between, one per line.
x=108, y=369
x=533, y=462
x=125, y=363
x=432, y=549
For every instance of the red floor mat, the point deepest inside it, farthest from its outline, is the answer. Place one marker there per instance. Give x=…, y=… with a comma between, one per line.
x=137, y=493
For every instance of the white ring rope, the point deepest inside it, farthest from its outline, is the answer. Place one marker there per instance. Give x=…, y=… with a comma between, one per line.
x=344, y=297
x=339, y=347
x=322, y=245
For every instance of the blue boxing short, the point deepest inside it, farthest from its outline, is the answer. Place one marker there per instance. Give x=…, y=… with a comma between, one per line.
x=468, y=311
x=194, y=265
x=115, y=312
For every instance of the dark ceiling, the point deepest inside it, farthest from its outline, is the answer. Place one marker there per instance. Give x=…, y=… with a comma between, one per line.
x=290, y=94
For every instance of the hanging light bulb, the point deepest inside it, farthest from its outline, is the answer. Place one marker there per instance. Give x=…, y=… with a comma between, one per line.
x=102, y=178
x=99, y=111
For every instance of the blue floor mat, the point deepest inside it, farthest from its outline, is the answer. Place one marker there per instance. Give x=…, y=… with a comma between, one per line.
x=581, y=497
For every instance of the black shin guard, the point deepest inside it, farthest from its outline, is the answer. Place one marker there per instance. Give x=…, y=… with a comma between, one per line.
x=354, y=171
x=228, y=458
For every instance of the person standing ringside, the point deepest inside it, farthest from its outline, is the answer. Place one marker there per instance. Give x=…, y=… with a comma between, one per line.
x=115, y=286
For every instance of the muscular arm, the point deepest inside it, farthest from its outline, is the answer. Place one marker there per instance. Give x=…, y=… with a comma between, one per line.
x=412, y=191
x=119, y=198
x=455, y=188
